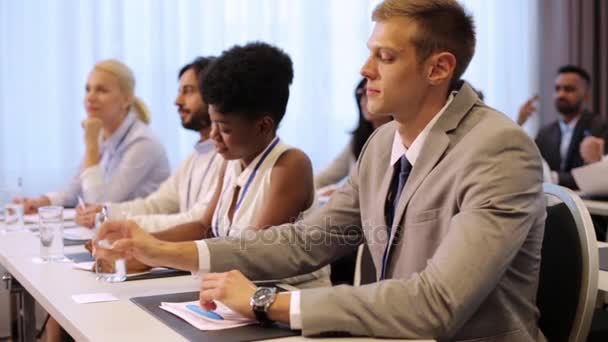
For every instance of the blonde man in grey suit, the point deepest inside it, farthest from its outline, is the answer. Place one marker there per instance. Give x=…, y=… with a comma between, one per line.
x=456, y=249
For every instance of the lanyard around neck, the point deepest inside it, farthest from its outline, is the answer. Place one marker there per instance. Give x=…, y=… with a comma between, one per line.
x=243, y=193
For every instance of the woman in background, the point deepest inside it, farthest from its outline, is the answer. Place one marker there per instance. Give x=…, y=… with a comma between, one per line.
x=341, y=165
x=122, y=159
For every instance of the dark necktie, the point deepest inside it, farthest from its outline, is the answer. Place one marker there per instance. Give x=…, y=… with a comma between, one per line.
x=400, y=175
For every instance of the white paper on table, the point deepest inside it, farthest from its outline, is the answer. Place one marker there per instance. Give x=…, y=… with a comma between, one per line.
x=84, y=266
x=201, y=322
x=69, y=214
x=93, y=298
x=79, y=233
x=592, y=179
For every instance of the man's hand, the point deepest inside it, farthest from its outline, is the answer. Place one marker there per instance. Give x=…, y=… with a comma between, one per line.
x=230, y=288
x=133, y=266
x=31, y=205
x=526, y=110
x=86, y=216
x=592, y=149
x=107, y=266
x=127, y=240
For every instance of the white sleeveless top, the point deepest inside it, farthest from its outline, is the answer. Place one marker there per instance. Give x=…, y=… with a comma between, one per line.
x=254, y=183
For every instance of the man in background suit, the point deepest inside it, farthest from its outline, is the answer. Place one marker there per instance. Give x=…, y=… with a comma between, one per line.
x=559, y=142
x=448, y=198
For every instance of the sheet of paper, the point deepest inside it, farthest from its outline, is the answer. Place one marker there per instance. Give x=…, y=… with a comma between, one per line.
x=69, y=214
x=84, y=266
x=87, y=298
x=79, y=233
x=221, y=318
x=591, y=179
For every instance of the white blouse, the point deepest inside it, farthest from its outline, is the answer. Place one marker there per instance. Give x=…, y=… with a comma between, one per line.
x=253, y=184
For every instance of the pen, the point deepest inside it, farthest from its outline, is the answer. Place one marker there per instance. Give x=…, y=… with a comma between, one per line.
x=81, y=204
x=200, y=311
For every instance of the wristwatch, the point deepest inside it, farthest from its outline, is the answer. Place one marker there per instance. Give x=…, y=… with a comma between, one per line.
x=262, y=299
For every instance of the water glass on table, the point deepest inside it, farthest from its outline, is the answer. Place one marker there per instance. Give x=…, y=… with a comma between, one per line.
x=111, y=272
x=11, y=214
x=51, y=233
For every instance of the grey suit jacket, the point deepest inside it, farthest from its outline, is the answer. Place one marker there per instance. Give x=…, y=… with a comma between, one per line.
x=465, y=263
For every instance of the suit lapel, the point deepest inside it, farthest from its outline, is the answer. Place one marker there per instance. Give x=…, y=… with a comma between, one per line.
x=430, y=155
x=433, y=149
x=554, y=145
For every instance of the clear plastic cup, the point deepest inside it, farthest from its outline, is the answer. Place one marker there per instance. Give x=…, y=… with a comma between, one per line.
x=107, y=271
x=51, y=233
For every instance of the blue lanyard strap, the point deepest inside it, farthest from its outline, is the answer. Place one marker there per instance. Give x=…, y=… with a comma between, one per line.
x=202, y=179
x=253, y=174
x=245, y=188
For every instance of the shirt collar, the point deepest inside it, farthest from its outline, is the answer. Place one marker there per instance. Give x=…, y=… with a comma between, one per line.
x=412, y=153
x=204, y=146
x=119, y=136
x=243, y=174
x=568, y=127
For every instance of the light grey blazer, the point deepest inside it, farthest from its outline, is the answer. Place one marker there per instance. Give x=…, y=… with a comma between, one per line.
x=465, y=265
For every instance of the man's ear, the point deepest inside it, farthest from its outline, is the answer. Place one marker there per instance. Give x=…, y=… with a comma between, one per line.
x=440, y=67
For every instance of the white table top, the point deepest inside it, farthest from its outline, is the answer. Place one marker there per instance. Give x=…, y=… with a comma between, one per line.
x=53, y=284
x=597, y=207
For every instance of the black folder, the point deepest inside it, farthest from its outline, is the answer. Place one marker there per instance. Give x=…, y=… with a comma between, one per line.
x=68, y=242
x=160, y=273
x=151, y=304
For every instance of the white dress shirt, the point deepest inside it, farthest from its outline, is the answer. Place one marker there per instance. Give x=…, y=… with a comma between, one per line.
x=182, y=198
x=132, y=164
x=567, y=129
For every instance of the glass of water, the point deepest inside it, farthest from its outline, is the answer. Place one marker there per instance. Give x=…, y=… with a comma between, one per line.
x=5, y=198
x=12, y=213
x=111, y=272
x=51, y=233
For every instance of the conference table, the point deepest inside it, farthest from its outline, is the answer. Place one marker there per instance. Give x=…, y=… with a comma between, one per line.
x=53, y=284
x=596, y=207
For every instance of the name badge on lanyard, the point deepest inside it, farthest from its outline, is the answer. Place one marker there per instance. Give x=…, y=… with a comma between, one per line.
x=245, y=189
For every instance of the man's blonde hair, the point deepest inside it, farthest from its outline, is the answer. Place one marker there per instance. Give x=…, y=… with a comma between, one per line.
x=126, y=80
x=442, y=25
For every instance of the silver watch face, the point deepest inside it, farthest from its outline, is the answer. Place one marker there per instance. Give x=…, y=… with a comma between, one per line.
x=264, y=296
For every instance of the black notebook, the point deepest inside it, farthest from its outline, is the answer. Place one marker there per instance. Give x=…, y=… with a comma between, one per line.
x=159, y=273
x=67, y=242
x=151, y=304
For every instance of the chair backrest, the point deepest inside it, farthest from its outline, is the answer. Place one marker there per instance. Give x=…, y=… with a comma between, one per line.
x=569, y=267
